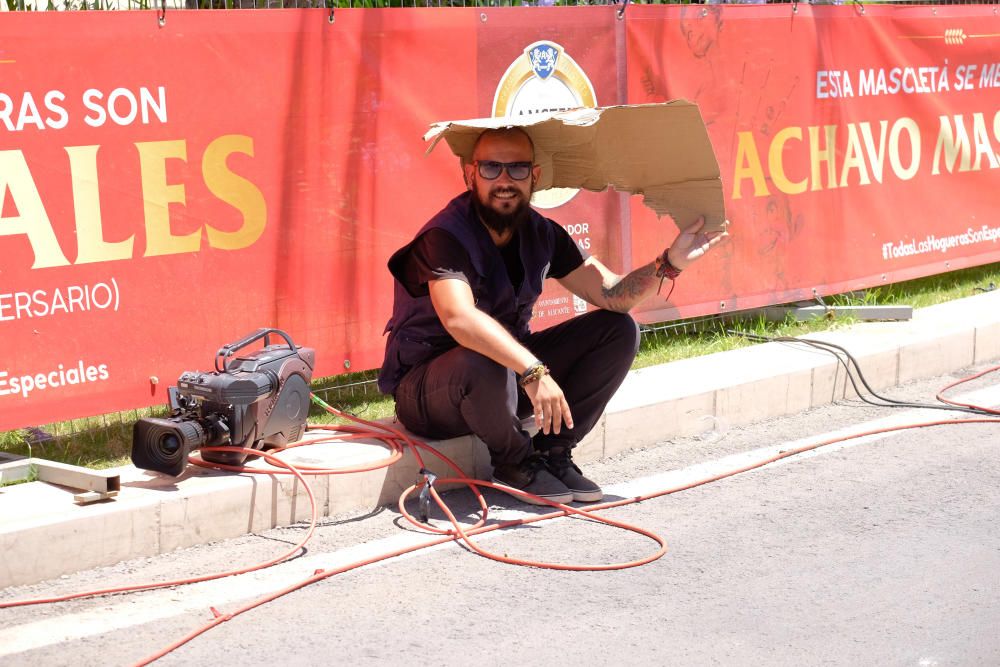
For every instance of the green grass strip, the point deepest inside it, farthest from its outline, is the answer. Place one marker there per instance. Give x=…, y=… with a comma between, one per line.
x=105, y=441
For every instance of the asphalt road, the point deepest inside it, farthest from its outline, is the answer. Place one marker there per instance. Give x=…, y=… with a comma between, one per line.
x=884, y=551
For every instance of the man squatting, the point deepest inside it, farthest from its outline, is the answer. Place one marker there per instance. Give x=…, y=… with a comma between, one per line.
x=460, y=357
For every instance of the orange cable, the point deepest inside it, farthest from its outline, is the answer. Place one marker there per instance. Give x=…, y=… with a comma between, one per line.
x=321, y=575
x=941, y=398
x=393, y=437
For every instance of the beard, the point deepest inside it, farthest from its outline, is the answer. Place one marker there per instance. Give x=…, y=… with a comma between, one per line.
x=498, y=221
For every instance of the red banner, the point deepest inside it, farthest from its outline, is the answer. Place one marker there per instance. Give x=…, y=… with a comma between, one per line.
x=257, y=168
x=857, y=148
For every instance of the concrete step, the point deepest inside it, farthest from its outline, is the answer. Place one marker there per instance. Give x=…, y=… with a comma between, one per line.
x=44, y=534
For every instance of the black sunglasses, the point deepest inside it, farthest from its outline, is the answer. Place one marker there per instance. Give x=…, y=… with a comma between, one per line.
x=491, y=170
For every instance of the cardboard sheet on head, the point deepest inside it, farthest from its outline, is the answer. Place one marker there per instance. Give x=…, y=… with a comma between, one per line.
x=659, y=151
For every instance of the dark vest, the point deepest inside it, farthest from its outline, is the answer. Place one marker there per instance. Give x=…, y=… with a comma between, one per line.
x=415, y=332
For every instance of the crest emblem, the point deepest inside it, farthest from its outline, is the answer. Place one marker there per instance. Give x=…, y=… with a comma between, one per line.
x=543, y=58
x=542, y=79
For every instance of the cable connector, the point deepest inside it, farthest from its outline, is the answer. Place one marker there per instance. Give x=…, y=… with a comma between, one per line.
x=425, y=493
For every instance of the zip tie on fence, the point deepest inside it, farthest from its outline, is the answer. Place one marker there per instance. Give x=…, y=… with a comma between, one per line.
x=331, y=18
x=621, y=10
x=162, y=16
x=827, y=310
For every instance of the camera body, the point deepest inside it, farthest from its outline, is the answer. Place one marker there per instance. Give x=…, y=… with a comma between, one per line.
x=256, y=401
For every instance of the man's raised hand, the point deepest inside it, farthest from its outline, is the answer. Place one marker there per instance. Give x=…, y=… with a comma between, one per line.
x=693, y=243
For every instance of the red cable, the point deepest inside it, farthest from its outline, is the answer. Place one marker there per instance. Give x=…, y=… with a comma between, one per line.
x=319, y=576
x=464, y=535
x=282, y=468
x=192, y=580
x=393, y=438
x=962, y=381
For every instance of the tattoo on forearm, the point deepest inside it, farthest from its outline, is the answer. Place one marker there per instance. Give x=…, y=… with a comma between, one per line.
x=632, y=289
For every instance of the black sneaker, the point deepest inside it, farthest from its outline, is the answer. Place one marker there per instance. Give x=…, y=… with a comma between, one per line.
x=532, y=476
x=559, y=461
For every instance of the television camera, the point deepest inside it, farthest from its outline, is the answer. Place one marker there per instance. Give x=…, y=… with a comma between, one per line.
x=254, y=401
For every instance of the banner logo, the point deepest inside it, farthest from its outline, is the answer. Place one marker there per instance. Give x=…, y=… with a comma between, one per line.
x=544, y=78
x=543, y=60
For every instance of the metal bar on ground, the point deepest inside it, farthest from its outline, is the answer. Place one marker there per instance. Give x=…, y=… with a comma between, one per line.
x=865, y=313
x=63, y=474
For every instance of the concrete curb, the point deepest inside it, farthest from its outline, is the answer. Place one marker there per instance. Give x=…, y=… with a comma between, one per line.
x=43, y=534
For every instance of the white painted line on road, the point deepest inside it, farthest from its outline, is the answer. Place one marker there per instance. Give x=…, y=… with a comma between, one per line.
x=119, y=612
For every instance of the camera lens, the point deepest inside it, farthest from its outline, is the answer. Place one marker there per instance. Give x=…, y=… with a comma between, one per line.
x=163, y=444
x=169, y=444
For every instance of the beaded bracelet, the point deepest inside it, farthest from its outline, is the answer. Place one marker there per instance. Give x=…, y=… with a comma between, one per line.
x=533, y=373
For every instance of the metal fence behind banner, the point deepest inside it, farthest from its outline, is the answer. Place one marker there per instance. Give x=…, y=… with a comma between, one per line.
x=70, y=5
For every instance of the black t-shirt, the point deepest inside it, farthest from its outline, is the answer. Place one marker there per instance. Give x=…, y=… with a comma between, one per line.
x=437, y=255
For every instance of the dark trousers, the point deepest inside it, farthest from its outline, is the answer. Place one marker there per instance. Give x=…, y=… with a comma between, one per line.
x=462, y=391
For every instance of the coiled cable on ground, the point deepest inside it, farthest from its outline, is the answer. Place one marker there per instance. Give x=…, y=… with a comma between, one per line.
x=397, y=441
